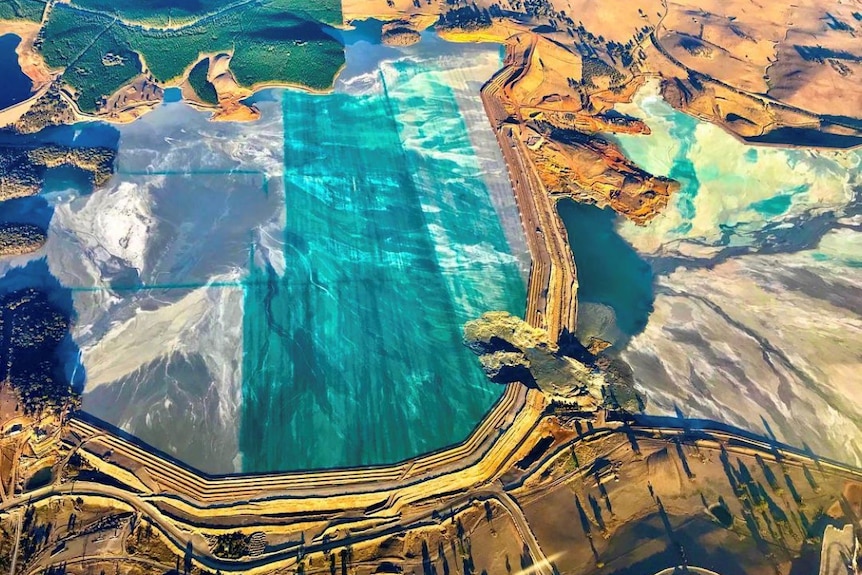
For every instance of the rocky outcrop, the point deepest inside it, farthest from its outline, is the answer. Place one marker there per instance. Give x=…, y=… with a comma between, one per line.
x=592, y=170
x=510, y=350
x=231, y=96
x=562, y=137
x=595, y=123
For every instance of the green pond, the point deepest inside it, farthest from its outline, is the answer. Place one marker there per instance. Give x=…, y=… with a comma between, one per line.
x=610, y=271
x=353, y=353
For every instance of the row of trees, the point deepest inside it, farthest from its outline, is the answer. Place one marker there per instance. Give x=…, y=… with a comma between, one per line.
x=466, y=18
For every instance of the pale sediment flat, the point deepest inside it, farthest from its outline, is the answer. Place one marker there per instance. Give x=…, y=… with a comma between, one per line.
x=731, y=191
x=757, y=315
x=763, y=341
x=155, y=261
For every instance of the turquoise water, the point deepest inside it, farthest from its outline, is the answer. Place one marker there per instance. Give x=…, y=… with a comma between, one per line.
x=683, y=170
x=729, y=191
x=16, y=85
x=353, y=355
x=643, y=151
x=774, y=206
x=173, y=95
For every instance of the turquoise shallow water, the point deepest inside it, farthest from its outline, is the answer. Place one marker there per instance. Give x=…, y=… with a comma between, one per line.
x=731, y=194
x=730, y=191
x=353, y=355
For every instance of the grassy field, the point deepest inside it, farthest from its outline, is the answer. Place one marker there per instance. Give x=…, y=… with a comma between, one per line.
x=21, y=10
x=199, y=83
x=270, y=44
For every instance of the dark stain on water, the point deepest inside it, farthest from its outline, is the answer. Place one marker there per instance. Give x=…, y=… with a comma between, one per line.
x=806, y=137
x=16, y=85
x=610, y=271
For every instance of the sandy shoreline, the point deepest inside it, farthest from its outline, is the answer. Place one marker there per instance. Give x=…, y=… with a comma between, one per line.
x=230, y=107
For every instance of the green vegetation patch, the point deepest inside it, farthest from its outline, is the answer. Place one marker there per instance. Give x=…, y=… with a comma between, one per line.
x=21, y=10
x=199, y=83
x=597, y=68
x=326, y=11
x=164, y=13
x=68, y=33
x=91, y=48
x=156, y=12
x=269, y=45
x=32, y=332
x=312, y=59
x=465, y=18
x=101, y=71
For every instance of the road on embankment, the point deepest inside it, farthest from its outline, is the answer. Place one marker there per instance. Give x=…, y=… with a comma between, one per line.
x=552, y=292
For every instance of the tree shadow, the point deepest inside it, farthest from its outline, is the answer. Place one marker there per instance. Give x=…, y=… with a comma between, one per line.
x=810, y=478
x=771, y=480
x=526, y=558
x=427, y=565
x=683, y=458
x=441, y=553
x=586, y=527
x=597, y=512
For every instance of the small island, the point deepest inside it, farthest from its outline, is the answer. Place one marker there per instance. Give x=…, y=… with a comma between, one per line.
x=23, y=169
x=20, y=239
